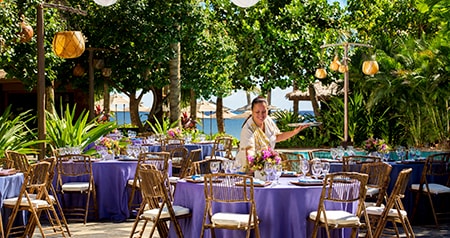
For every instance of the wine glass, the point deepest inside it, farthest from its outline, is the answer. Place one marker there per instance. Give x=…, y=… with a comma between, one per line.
x=340, y=153
x=214, y=167
x=268, y=169
x=412, y=152
x=325, y=168
x=278, y=171
x=400, y=152
x=304, y=166
x=316, y=168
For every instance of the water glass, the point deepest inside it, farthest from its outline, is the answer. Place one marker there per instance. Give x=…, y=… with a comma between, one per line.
x=401, y=152
x=325, y=168
x=214, y=167
x=278, y=172
x=304, y=166
x=316, y=168
x=268, y=169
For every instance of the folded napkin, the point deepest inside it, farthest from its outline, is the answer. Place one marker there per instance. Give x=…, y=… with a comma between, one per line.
x=256, y=181
x=197, y=177
x=309, y=180
x=289, y=172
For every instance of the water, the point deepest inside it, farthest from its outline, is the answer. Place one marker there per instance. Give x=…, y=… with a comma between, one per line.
x=208, y=126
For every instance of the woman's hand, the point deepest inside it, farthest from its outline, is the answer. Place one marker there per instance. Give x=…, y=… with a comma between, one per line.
x=301, y=127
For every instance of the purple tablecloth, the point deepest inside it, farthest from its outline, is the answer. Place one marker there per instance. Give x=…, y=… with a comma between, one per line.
x=9, y=187
x=206, y=148
x=283, y=210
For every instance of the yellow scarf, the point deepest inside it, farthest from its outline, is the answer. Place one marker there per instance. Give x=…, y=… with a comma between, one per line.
x=261, y=140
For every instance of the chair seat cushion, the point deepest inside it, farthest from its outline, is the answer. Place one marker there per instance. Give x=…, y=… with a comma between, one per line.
x=52, y=198
x=378, y=210
x=337, y=217
x=131, y=181
x=75, y=186
x=434, y=188
x=179, y=211
x=230, y=219
x=24, y=202
x=372, y=191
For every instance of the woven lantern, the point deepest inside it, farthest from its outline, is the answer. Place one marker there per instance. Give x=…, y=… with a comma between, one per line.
x=321, y=73
x=78, y=70
x=68, y=44
x=334, y=65
x=370, y=67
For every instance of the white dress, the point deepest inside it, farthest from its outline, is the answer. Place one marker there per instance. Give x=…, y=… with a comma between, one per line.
x=254, y=139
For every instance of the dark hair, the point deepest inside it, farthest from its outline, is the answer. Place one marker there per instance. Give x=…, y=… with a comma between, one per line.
x=259, y=99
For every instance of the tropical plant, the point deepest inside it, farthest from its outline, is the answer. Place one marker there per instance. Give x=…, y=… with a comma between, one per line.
x=162, y=128
x=15, y=134
x=68, y=131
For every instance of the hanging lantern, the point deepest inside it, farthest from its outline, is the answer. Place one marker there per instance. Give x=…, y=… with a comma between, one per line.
x=105, y=3
x=335, y=63
x=106, y=72
x=26, y=31
x=370, y=67
x=99, y=64
x=78, y=70
x=343, y=68
x=68, y=44
x=244, y=3
x=321, y=73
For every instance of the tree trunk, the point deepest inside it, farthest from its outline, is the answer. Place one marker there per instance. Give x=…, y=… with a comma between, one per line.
x=157, y=108
x=295, y=105
x=50, y=98
x=175, y=85
x=106, y=98
x=219, y=115
x=249, y=98
x=193, y=105
x=134, y=110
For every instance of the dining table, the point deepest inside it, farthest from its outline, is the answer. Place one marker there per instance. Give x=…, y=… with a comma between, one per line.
x=283, y=210
x=10, y=186
x=206, y=148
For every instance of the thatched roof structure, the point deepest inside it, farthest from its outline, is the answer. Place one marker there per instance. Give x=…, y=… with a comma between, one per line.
x=322, y=92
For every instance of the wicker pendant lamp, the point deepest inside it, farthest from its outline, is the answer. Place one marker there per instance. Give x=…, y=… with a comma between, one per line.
x=68, y=44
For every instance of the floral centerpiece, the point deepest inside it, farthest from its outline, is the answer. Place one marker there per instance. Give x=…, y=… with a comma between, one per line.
x=378, y=147
x=257, y=162
x=174, y=133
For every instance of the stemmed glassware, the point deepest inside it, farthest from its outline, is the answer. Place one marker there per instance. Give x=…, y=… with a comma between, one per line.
x=401, y=152
x=316, y=168
x=214, y=167
x=278, y=171
x=304, y=166
x=268, y=169
x=325, y=168
x=412, y=152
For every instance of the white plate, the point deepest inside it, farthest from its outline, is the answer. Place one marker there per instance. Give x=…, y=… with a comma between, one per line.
x=304, y=124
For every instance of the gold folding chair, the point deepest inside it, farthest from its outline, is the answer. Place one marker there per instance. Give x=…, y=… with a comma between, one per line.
x=222, y=149
x=17, y=161
x=72, y=167
x=378, y=182
x=204, y=166
x=352, y=163
x=34, y=198
x=344, y=188
x=291, y=161
x=159, y=159
x=156, y=206
x=229, y=188
x=178, y=155
x=393, y=211
x=434, y=183
x=320, y=154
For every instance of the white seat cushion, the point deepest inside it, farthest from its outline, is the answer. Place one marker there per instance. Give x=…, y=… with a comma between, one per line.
x=174, y=179
x=230, y=219
x=75, y=186
x=24, y=202
x=337, y=217
x=372, y=191
x=33, y=196
x=434, y=187
x=179, y=211
x=372, y=204
x=379, y=210
x=131, y=181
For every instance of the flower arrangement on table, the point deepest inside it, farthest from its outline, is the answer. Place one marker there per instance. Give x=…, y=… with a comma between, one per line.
x=112, y=145
x=174, y=133
x=257, y=162
x=377, y=145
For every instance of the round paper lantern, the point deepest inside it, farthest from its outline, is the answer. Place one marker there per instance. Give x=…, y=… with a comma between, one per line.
x=334, y=65
x=244, y=3
x=78, y=70
x=68, y=44
x=370, y=67
x=343, y=68
x=321, y=73
x=26, y=32
x=105, y=3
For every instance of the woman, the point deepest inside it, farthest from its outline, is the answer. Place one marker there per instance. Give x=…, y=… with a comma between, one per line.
x=260, y=131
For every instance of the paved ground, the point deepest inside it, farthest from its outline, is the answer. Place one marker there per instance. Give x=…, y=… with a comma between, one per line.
x=121, y=230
